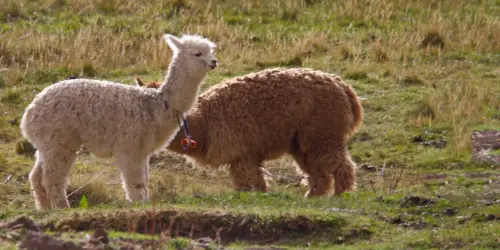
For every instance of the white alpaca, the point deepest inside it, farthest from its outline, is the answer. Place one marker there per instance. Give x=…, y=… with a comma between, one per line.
x=111, y=120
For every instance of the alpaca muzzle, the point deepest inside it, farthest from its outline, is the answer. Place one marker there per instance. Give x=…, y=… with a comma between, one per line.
x=213, y=64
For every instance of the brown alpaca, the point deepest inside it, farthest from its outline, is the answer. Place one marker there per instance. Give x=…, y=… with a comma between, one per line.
x=246, y=120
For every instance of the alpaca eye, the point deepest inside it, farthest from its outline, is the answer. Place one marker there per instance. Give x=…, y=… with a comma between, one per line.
x=198, y=54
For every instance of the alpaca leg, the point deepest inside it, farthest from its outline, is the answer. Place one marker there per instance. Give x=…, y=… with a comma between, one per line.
x=319, y=185
x=345, y=175
x=319, y=179
x=247, y=175
x=37, y=189
x=55, y=172
x=317, y=164
x=134, y=175
x=330, y=161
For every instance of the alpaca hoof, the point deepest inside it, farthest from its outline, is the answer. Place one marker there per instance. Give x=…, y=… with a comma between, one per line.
x=138, y=194
x=60, y=205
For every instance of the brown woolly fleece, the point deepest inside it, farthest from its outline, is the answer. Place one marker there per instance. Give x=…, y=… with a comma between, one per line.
x=246, y=120
x=151, y=85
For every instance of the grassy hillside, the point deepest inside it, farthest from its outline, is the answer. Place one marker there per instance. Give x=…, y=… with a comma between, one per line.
x=428, y=73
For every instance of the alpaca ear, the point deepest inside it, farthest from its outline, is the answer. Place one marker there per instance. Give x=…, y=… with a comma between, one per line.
x=138, y=82
x=212, y=45
x=173, y=42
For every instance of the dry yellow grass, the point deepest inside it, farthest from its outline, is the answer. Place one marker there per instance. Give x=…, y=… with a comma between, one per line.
x=426, y=70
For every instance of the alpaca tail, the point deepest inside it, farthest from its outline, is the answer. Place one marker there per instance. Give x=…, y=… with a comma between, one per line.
x=357, y=109
x=26, y=123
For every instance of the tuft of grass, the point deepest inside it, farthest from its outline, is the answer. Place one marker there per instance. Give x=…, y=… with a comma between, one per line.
x=11, y=11
x=486, y=127
x=345, y=52
x=181, y=243
x=494, y=152
x=83, y=202
x=12, y=96
x=355, y=74
x=2, y=82
x=380, y=54
x=458, y=99
x=88, y=70
x=424, y=111
x=432, y=38
x=409, y=80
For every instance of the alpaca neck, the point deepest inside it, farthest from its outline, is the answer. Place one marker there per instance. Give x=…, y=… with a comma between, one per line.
x=195, y=125
x=182, y=84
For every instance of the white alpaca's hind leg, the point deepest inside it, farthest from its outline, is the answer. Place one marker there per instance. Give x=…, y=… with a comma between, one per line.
x=56, y=168
x=37, y=189
x=134, y=175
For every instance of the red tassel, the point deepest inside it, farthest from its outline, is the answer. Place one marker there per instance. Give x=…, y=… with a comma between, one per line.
x=188, y=143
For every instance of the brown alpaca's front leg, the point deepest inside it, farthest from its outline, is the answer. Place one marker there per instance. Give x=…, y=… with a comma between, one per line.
x=247, y=175
x=319, y=186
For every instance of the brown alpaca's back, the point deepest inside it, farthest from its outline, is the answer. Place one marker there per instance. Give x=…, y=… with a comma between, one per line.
x=246, y=120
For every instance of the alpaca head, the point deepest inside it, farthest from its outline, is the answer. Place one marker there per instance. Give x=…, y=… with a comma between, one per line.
x=196, y=49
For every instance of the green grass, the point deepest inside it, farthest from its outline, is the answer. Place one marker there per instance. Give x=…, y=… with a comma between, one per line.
x=494, y=152
x=427, y=73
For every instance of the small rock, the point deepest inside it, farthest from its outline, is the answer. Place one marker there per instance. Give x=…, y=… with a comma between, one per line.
x=340, y=240
x=462, y=219
x=100, y=236
x=415, y=201
x=440, y=144
x=397, y=220
x=204, y=240
x=490, y=217
x=365, y=136
x=368, y=168
x=14, y=122
x=83, y=151
x=417, y=139
x=22, y=222
x=450, y=211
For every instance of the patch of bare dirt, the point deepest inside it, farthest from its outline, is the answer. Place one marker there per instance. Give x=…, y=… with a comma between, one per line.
x=408, y=223
x=205, y=229
x=40, y=241
x=225, y=228
x=21, y=222
x=29, y=235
